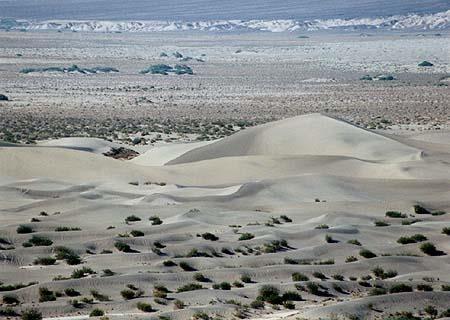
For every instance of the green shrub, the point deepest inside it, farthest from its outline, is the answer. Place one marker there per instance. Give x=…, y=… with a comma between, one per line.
x=137, y=233
x=297, y=276
x=351, y=259
x=97, y=313
x=285, y=218
x=63, y=229
x=377, y=291
x=431, y=311
x=169, y=263
x=445, y=287
x=430, y=249
x=67, y=254
x=225, y=285
x=354, y=241
x=420, y=210
x=31, y=314
x=98, y=296
x=108, y=273
x=122, y=246
x=210, y=236
x=128, y=294
x=257, y=304
x=400, y=287
x=269, y=294
x=155, y=220
x=338, y=277
x=322, y=226
x=145, y=307
x=24, y=229
x=189, y=287
x=82, y=272
x=381, y=223
x=246, y=236
x=200, y=277
x=367, y=254
x=329, y=239
x=319, y=275
x=186, y=266
x=289, y=305
x=44, y=261
x=395, y=214
x=39, y=241
x=446, y=231
x=46, y=295
x=424, y=287
x=10, y=299
x=246, y=278
x=179, y=304
x=291, y=296
x=71, y=292
x=132, y=218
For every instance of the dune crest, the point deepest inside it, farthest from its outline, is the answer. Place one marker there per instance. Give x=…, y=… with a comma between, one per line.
x=313, y=134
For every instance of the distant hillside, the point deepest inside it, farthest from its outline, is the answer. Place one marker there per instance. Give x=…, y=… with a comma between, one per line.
x=203, y=10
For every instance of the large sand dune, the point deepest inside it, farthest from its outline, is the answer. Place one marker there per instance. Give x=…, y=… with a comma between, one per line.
x=312, y=170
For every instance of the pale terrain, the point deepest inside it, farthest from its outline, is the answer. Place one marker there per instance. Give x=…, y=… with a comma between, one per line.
x=274, y=146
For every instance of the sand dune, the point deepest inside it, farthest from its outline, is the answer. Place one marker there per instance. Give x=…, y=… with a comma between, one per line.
x=313, y=134
x=297, y=180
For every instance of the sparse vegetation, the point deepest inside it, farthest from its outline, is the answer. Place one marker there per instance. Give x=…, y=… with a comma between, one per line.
x=297, y=276
x=44, y=261
x=395, y=214
x=246, y=236
x=210, y=236
x=367, y=254
x=189, y=287
x=132, y=218
x=145, y=307
x=24, y=229
x=96, y=313
x=82, y=272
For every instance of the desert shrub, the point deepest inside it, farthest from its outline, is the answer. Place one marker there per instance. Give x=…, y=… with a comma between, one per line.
x=291, y=296
x=377, y=291
x=63, y=229
x=418, y=209
x=128, y=294
x=122, y=246
x=67, y=254
x=160, y=293
x=410, y=222
x=275, y=246
x=24, y=229
x=200, y=277
x=225, y=285
x=430, y=249
x=82, y=272
x=395, y=214
x=431, y=311
x=367, y=254
x=246, y=278
x=155, y=220
x=445, y=287
x=99, y=296
x=97, y=313
x=424, y=287
x=381, y=223
x=186, y=266
x=44, y=261
x=145, y=307
x=354, y=241
x=189, y=287
x=269, y=294
x=108, y=273
x=380, y=273
x=238, y=284
x=257, y=304
x=297, y=276
x=10, y=299
x=338, y=277
x=289, y=305
x=46, y=295
x=285, y=218
x=31, y=314
x=319, y=275
x=137, y=233
x=12, y=287
x=71, y=292
x=413, y=239
x=246, y=236
x=210, y=236
x=288, y=260
x=158, y=245
x=351, y=259
x=132, y=218
x=313, y=288
x=39, y=241
x=329, y=239
x=400, y=287
x=179, y=304
x=169, y=263
x=201, y=316
x=438, y=213
x=446, y=231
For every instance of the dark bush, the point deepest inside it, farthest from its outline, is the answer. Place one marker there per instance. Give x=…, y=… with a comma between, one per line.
x=395, y=214
x=430, y=249
x=189, y=287
x=132, y=218
x=31, y=314
x=71, y=292
x=400, y=287
x=46, y=295
x=82, y=272
x=45, y=261
x=145, y=307
x=39, y=241
x=97, y=313
x=137, y=233
x=186, y=266
x=210, y=236
x=10, y=299
x=420, y=210
x=367, y=254
x=297, y=276
x=24, y=229
x=246, y=236
x=200, y=277
x=269, y=294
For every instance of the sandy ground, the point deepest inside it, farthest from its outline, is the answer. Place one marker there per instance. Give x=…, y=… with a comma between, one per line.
x=313, y=170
